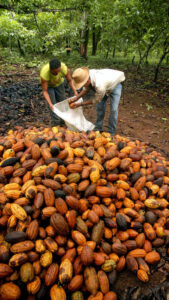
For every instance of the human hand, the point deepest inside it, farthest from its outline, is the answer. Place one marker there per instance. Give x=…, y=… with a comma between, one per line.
x=72, y=100
x=74, y=105
x=51, y=106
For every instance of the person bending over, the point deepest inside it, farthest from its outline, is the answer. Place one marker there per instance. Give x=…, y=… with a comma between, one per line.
x=52, y=77
x=104, y=82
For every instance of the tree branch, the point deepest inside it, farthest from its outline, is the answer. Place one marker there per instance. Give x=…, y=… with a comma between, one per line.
x=37, y=11
x=36, y=22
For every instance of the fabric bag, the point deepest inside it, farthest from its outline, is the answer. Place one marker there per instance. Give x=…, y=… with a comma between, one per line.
x=74, y=118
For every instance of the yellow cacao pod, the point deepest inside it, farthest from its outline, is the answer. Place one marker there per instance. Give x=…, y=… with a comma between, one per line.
x=39, y=171
x=57, y=293
x=18, y=211
x=65, y=271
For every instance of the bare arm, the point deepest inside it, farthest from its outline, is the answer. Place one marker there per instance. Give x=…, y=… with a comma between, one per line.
x=69, y=79
x=86, y=103
x=44, y=85
x=81, y=94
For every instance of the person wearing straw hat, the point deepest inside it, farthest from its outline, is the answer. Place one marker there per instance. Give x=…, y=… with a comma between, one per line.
x=52, y=77
x=104, y=82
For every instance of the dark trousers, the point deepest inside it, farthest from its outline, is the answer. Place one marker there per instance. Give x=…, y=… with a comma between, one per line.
x=57, y=94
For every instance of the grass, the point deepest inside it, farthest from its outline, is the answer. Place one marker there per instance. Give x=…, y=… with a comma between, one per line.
x=74, y=59
x=120, y=62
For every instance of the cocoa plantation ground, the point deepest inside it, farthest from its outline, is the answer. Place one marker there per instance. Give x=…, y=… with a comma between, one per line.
x=143, y=110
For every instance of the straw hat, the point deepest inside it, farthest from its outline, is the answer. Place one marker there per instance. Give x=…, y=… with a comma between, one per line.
x=80, y=77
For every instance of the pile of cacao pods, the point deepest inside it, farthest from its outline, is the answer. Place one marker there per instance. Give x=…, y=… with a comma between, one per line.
x=76, y=209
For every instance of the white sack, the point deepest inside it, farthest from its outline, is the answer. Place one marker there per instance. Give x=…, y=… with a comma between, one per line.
x=74, y=118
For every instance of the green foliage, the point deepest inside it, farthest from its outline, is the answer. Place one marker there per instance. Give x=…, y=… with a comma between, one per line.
x=133, y=27
x=148, y=106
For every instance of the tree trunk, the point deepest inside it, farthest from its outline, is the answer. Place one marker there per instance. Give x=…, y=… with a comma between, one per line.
x=140, y=60
x=76, y=46
x=147, y=58
x=94, y=46
x=133, y=60
x=114, y=51
x=86, y=42
x=81, y=49
x=147, y=53
x=107, y=54
x=149, y=48
x=165, y=52
x=68, y=48
x=167, y=59
x=3, y=43
x=10, y=44
x=96, y=33
x=40, y=33
x=159, y=64
x=36, y=22
x=84, y=36
x=20, y=48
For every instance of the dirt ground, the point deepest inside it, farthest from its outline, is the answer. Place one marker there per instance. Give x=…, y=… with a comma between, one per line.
x=143, y=109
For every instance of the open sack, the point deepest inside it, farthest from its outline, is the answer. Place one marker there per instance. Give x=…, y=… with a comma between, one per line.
x=74, y=118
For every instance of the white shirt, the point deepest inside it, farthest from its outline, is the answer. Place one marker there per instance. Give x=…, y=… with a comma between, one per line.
x=104, y=81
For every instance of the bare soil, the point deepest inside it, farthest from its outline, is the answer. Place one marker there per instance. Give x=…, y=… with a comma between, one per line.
x=143, y=109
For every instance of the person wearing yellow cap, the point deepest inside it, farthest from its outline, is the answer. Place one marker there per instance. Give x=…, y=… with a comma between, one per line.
x=105, y=83
x=52, y=77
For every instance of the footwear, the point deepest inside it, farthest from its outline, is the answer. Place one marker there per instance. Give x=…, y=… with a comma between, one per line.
x=95, y=129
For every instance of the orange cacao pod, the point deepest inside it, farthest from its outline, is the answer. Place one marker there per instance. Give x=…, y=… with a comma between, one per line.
x=138, y=253
x=110, y=296
x=142, y=275
x=103, y=281
x=131, y=263
x=75, y=283
x=86, y=255
x=10, y=291
x=152, y=257
x=57, y=293
x=51, y=274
